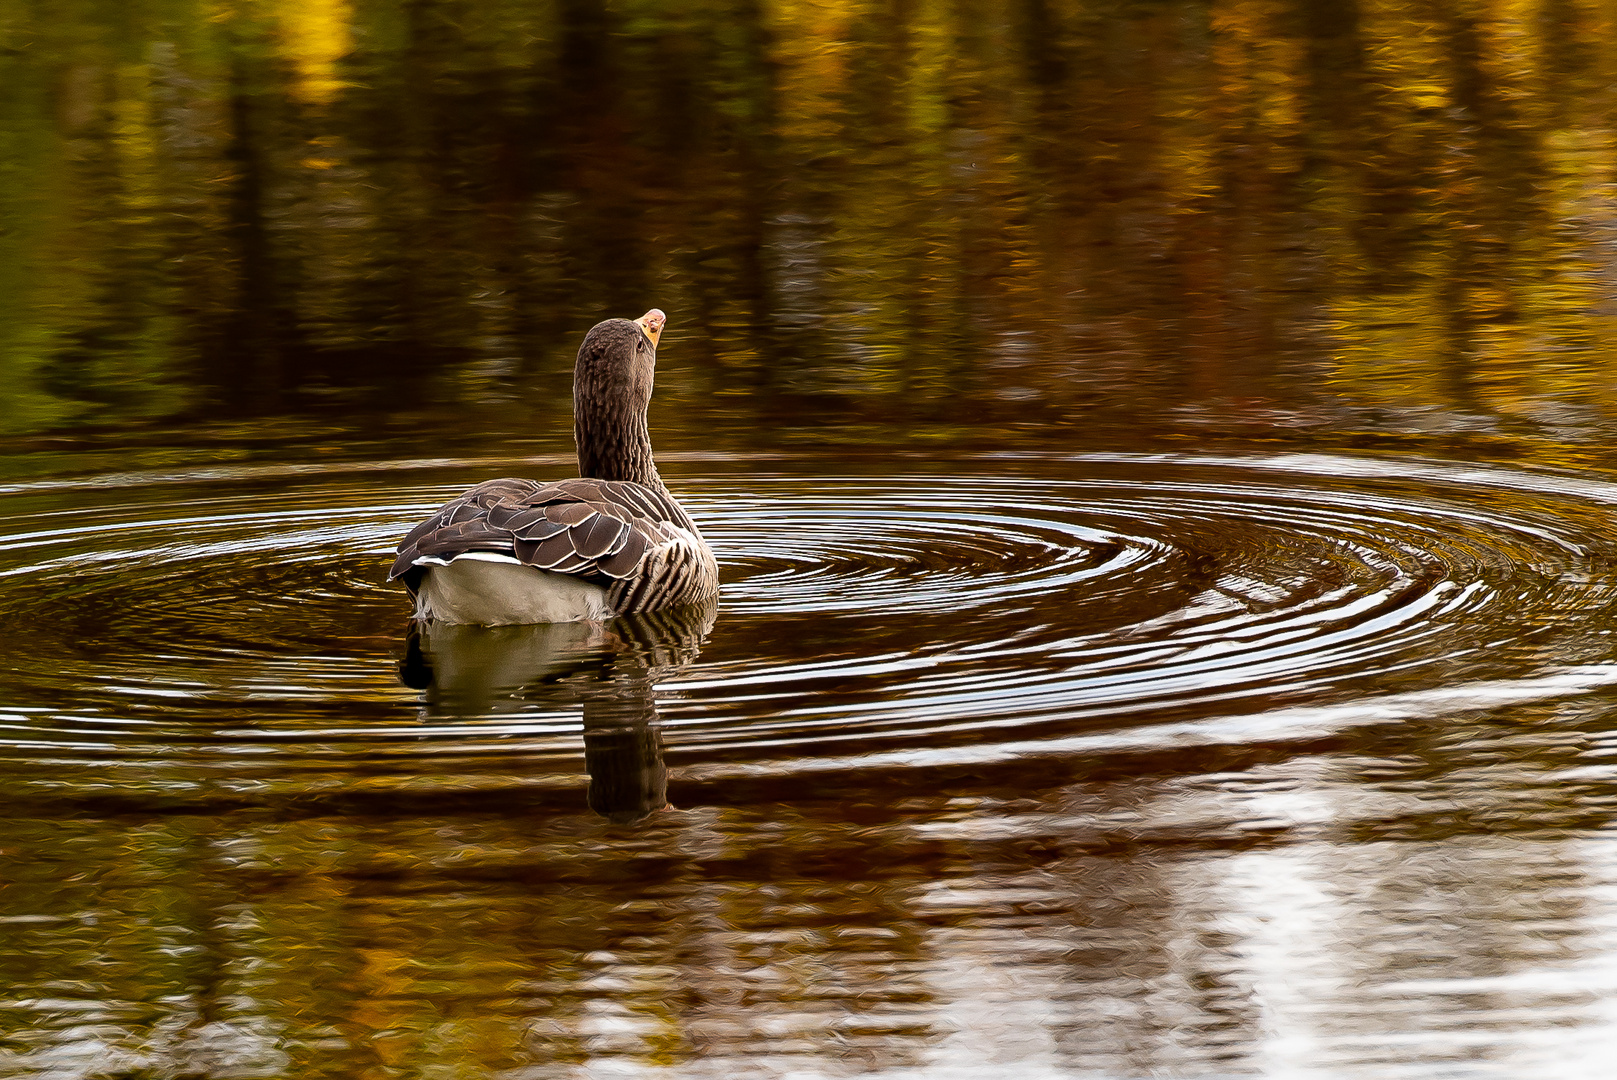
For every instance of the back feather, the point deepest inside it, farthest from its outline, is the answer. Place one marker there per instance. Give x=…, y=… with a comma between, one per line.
x=591, y=528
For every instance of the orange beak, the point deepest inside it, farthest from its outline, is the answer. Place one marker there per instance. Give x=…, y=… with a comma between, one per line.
x=651, y=324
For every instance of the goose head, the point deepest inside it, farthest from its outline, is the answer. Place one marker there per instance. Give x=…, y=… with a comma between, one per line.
x=612, y=383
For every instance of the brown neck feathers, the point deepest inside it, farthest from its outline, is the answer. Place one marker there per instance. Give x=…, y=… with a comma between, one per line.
x=611, y=391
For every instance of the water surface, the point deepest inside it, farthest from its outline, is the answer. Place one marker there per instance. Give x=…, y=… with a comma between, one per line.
x=1159, y=456
x=985, y=765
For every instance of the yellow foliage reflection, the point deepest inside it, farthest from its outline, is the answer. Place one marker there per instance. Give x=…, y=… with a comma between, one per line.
x=1392, y=218
x=314, y=36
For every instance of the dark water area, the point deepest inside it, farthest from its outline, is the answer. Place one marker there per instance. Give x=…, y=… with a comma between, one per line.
x=1159, y=457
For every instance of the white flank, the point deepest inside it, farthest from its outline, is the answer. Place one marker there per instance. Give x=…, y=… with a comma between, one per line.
x=494, y=591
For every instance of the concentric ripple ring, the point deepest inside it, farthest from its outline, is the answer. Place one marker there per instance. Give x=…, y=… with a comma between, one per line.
x=973, y=600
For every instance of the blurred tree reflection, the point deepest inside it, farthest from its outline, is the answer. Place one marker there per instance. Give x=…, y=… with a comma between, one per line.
x=1389, y=212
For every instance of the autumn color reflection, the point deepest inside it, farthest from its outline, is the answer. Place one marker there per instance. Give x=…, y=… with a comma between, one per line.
x=1374, y=217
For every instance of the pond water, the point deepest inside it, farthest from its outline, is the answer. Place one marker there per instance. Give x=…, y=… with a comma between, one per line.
x=1158, y=454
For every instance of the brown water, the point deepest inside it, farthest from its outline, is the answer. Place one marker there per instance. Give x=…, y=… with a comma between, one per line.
x=1157, y=454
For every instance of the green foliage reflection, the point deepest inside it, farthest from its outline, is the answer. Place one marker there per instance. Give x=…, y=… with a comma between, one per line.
x=1385, y=209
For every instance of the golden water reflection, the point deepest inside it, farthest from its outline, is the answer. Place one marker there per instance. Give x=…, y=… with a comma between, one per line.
x=1262, y=920
x=1265, y=219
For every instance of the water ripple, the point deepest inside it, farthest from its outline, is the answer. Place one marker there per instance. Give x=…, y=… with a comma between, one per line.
x=973, y=602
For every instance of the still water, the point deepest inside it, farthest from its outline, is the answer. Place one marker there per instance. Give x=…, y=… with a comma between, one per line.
x=1159, y=456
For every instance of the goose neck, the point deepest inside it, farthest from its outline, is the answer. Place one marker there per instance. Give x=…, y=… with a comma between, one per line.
x=620, y=450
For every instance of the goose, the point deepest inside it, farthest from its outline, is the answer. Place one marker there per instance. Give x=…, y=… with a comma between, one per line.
x=607, y=542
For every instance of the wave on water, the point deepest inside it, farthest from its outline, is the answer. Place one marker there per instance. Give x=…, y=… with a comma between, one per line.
x=971, y=609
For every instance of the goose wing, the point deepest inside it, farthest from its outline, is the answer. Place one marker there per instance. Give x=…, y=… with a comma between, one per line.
x=586, y=527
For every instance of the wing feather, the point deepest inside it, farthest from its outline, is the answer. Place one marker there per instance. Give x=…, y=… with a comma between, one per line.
x=571, y=513
x=543, y=529
x=598, y=537
x=611, y=529
x=514, y=516
x=626, y=560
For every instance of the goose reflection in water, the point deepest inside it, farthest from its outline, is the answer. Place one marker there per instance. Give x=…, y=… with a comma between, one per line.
x=609, y=668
